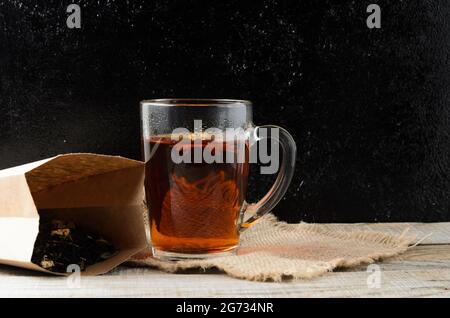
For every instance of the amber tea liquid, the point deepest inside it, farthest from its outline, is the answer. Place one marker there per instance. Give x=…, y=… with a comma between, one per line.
x=194, y=207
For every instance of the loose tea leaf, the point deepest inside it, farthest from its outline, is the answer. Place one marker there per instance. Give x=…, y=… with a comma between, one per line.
x=60, y=244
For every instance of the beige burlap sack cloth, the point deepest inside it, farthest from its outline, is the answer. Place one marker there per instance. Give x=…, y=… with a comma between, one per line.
x=273, y=251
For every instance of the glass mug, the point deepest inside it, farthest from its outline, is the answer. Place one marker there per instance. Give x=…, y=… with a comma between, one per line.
x=197, y=154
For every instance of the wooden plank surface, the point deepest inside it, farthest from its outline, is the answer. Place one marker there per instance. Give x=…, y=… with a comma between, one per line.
x=423, y=271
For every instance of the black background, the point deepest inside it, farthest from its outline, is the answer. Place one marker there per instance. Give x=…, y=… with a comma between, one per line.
x=369, y=108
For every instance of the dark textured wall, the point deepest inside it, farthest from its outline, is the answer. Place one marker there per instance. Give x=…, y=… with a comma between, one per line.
x=369, y=108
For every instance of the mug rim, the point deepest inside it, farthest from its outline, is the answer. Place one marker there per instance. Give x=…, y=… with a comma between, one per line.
x=196, y=102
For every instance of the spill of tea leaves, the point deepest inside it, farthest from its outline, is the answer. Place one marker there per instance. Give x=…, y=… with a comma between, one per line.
x=60, y=244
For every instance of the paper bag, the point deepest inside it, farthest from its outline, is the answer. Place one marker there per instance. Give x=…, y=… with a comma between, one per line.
x=102, y=194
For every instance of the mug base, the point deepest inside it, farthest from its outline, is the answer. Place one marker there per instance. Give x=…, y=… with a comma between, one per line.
x=175, y=256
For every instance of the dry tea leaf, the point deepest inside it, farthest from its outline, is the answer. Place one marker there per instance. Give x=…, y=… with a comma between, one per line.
x=60, y=244
x=61, y=232
x=47, y=264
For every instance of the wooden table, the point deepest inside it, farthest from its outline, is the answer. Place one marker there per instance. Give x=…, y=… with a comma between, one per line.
x=422, y=271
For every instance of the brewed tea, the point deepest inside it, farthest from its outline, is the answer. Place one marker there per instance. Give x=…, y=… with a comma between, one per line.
x=195, y=206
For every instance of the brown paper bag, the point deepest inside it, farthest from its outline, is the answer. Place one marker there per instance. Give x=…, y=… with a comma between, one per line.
x=102, y=194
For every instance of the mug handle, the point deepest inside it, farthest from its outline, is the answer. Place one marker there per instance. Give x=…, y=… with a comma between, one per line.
x=253, y=212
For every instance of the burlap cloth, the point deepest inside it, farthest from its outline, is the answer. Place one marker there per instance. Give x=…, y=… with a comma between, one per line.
x=274, y=251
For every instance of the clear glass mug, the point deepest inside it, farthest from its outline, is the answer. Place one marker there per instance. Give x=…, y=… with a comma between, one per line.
x=197, y=155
